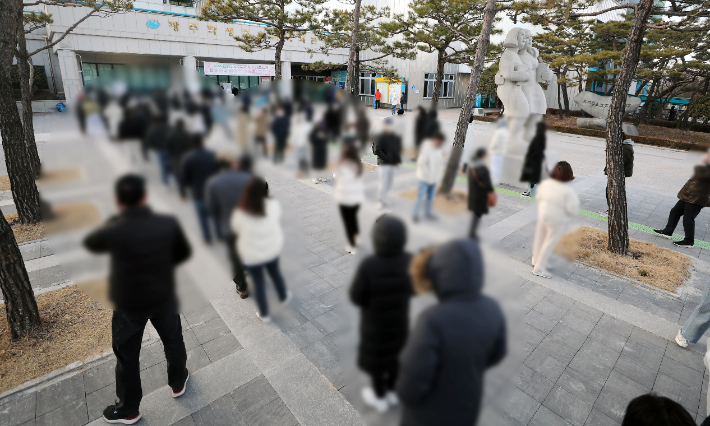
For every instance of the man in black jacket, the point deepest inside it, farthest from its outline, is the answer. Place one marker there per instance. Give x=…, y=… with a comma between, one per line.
x=388, y=150
x=694, y=195
x=145, y=248
x=197, y=166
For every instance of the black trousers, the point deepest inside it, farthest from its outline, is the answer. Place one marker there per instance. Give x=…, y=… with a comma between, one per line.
x=383, y=380
x=237, y=266
x=689, y=213
x=349, y=215
x=475, y=220
x=127, y=333
x=279, y=148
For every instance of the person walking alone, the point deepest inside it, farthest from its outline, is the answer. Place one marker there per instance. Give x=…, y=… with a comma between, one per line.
x=430, y=166
x=453, y=342
x=694, y=195
x=144, y=248
x=349, y=193
x=388, y=149
x=481, y=195
x=382, y=289
x=222, y=195
x=256, y=222
x=378, y=97
x=558, y=203
x=627, y=154
x=420, y=127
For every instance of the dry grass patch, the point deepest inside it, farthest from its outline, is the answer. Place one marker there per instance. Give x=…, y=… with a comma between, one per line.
x=69, y=217
x=455, y=203
x=4, y=183
x=74, y=328
x=648, y=263
x=58, y=176
x=24, y=233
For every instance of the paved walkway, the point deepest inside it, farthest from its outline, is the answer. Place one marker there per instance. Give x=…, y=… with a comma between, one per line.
x=593, y=342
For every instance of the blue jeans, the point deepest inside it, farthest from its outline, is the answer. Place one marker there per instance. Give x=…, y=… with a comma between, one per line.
x=257, y=277
x=699, y=320
x=428, y=189
x=164, y=161
x=204, y=219
x=394, y=108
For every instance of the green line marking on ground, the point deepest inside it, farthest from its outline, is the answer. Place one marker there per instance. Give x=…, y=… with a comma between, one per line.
x=593, y=215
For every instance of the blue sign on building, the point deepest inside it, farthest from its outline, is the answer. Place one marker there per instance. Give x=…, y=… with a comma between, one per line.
x=153, y=23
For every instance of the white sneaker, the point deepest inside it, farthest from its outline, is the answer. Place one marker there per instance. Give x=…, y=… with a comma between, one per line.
x=605, y=213
x=541, y=274
x=392, y=398
x=368, y=395
x=316, y=181
x=266, y=319
x=681, y=341
x=289, y=296
x=525, y=194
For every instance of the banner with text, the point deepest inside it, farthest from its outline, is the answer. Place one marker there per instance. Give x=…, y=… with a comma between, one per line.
x=253, y=70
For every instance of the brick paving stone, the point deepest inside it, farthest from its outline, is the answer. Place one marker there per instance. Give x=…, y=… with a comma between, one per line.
x=636, y=371
x=275, y=413
x=568, y=406
x=678, y=392
x=583, y=387
x=545, y=417
x=651, y=358
x=222, y=411
x=597, y=418
x=221, y=347
x=19, y=410
x=534, y=384
x=608, y=338
x=568, y=336
x=71, y=414
x=545, y=364
x=557, y=349
x=522, y=407
x=253, y=395
x=59, y=394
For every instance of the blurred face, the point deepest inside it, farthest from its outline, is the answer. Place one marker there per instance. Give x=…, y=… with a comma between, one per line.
x=437, y=142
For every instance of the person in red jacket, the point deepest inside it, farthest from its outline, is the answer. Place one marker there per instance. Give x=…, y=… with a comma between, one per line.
x=378, y=96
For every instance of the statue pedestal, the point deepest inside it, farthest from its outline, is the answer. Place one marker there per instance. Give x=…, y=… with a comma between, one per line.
x=512, y=169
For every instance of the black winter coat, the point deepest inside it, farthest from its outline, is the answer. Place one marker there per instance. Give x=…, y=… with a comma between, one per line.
x=420, y=128
x=280, y=127
x=197, y=167
x=382, y=289
x=452, y=344
x=388, y=149
x=145, y=248
x=532, y=168
x=319, y=153
x=479, y=185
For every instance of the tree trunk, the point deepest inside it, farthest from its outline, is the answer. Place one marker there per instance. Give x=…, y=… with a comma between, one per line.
x=650, y=99
x=20, y=304
x=616, y=182
x=353, y=47
x=277, y=54
x=17, y=161
x=452, y=167
x=565, y=98
x=356, y=72
x=26, y=74
x=559, y=97
x=439, y=79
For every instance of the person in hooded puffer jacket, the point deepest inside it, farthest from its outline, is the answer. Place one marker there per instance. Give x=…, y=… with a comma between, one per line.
x=453, y=342
x=382, y=288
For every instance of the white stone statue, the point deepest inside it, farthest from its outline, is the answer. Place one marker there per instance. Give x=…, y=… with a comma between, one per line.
x=519, y=77
x=512, y=75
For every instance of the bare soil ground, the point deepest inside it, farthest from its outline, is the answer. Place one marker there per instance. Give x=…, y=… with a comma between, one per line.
x=455, y=204
x=24, y=233
x=650, y=264
x=74, y=328
x=644, y=130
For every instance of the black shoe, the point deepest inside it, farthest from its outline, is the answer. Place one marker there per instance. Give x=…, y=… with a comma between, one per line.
x=662, y=233
x=180, y=392
x=683, y=244
x=111, y=416
x=242, y=294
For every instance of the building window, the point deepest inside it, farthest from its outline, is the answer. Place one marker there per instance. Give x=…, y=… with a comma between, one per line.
x=185, y=3
x=447, y=86
x=367, y=83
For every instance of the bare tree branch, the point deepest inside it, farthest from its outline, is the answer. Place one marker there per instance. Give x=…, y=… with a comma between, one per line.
x=69, y=30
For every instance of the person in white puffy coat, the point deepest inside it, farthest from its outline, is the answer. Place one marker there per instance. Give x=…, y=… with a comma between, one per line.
x=558, y=203
x=349, y=193
x=430, y=166
x=496, y=150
